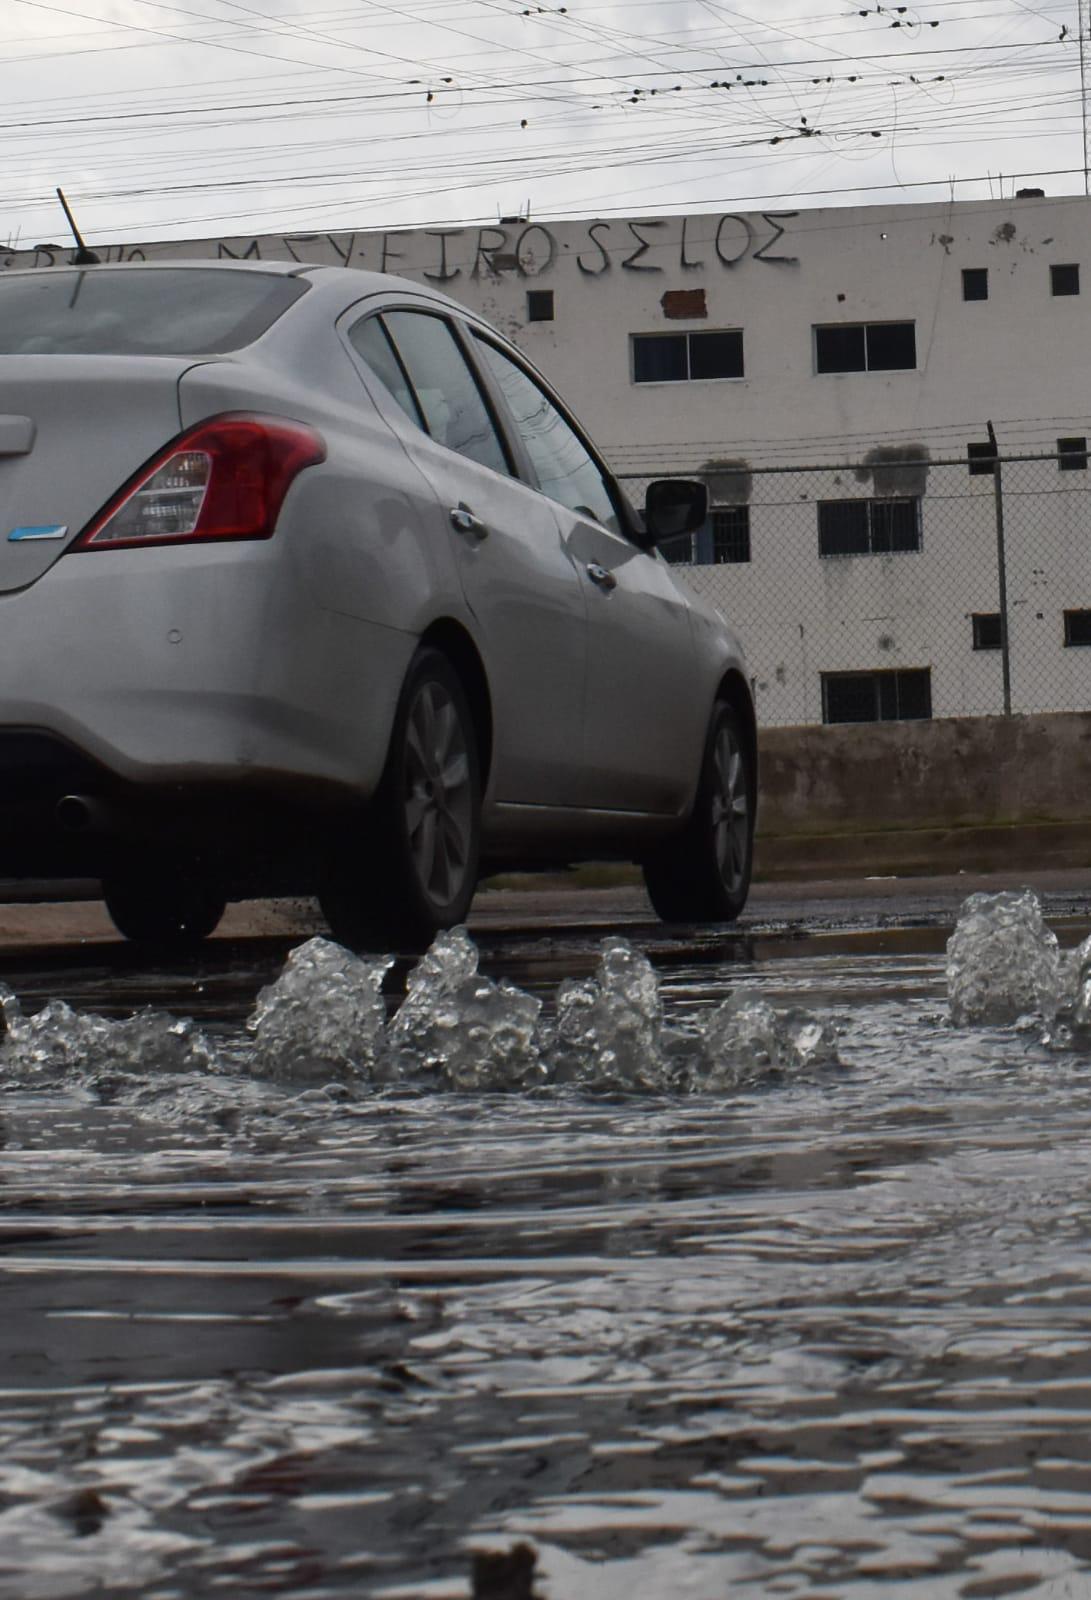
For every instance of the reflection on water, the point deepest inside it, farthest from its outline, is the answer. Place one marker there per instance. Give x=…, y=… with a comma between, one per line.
x=813, y=1336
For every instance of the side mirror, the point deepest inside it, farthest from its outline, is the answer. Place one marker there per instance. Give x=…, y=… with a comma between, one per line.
x=674, y=506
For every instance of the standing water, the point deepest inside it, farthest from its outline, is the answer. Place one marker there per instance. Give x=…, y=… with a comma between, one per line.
x=769, y=1280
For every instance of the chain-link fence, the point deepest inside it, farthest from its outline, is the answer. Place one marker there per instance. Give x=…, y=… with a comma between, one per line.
x=903, y=589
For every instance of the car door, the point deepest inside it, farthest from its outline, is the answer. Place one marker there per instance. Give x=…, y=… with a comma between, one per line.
x=518, y=581
x=643, y=725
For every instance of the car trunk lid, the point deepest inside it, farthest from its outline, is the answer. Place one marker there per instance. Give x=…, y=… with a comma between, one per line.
x=73, y=429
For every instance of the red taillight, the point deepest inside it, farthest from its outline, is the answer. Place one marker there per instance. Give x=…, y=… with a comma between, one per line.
x=223, y=479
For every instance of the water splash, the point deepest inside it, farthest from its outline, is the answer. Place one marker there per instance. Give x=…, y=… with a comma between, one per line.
x=58, y=1044
x=608, y=1031
x=323, y=1022
x=746, y=1041
x=1002, y=960
x=324, y=1018
x=461, y=1029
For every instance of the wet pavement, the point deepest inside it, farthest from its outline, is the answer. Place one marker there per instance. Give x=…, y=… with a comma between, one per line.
x=694, y=1309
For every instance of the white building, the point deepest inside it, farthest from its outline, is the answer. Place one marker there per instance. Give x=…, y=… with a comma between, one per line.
x=878, y=340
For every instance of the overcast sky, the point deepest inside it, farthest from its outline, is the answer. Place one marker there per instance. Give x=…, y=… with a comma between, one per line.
x=215, y=117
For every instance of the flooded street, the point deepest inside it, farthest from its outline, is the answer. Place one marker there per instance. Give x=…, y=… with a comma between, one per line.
x=758, y=1278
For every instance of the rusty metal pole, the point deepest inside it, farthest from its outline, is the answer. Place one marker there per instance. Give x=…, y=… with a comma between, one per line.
x=1001, y=572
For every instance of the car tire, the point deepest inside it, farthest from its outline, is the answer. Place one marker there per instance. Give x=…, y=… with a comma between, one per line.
x=408, y=866
x=703, y=873
x=164, y=906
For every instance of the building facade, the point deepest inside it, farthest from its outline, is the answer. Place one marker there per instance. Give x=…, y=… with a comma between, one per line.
x=833, y=376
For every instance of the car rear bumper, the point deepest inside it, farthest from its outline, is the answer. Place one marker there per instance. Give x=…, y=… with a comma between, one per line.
x=199, y=667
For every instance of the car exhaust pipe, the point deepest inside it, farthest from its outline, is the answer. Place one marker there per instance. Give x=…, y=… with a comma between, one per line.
x=80, y=813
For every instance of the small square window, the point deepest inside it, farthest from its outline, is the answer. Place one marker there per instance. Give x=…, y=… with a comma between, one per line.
x=987, y=632
x=981, y=458
x=975, y=283
x=539, y=305
x=1072, y=455
x=1077, y=627
x=1065, y=279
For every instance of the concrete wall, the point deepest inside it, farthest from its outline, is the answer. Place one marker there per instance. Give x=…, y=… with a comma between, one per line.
x=980, y=792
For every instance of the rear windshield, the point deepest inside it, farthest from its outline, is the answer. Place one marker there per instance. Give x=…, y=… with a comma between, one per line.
x=102, y=312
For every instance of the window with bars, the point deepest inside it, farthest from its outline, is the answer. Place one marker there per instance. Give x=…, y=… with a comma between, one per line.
x=903, y=695
x=687, y=357
x=730, y=526
x=865, y=347
x=869, y=527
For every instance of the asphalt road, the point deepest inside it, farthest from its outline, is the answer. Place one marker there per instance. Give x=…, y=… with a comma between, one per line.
x=837, y=912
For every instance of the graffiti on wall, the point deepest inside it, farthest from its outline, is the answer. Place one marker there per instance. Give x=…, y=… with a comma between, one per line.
x=522, y=249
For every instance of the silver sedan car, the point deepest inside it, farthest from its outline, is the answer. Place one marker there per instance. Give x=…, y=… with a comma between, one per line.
x=309, y=582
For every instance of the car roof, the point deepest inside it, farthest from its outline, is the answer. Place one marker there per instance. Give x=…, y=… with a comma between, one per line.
x=344, y=284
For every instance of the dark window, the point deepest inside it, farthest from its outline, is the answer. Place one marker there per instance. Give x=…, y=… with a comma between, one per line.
x=454, y=411
x=868, y=527
x=730, y=534
x=682, y=357
x=986, y=625
x=865, y=347
x=539, y=305
x=1072, y=455
x=1077, y=627
x=975, y=283
x=981, y=458
x=128, y=311
x=1065, y=279
x=900, y=696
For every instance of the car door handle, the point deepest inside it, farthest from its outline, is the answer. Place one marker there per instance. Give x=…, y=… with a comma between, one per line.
x=601, y=576
x=464, y=521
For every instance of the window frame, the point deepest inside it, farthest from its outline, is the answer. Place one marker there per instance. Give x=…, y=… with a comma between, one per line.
x=979, y=278
x=686, y=335
x=353, y=317
x=741, y=509
x=981, y=458
x=1074, y=458
x=869, y=502
x=977, y=621
x=541, y=296
x=1070, y=614
x=1056, y=268
x=874, y=675
x=865, y=327
x=473, y=333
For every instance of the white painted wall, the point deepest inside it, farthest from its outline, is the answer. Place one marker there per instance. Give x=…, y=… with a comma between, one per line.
x=1022, y=358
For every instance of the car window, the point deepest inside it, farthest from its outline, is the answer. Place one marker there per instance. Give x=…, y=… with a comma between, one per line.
x=130, y=311
x=368, y=338
x=454, y=411
x=566, y=471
